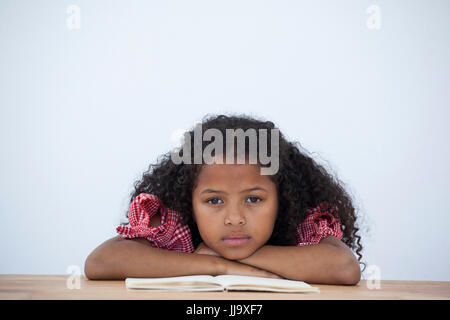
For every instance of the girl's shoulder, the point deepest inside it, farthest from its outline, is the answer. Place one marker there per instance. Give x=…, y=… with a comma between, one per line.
x=150, y=219
x=318, y=224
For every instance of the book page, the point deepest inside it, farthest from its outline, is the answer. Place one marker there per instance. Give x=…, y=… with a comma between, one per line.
x=219, y=283
x=249, y=281
x=183, y=281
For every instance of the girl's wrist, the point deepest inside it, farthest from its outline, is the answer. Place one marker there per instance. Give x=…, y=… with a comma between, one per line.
x=213, y=265
x=219, y=265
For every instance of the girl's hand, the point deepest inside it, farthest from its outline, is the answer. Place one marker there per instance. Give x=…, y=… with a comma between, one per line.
x=238, y=268
x=204, y=249
x=233, y=267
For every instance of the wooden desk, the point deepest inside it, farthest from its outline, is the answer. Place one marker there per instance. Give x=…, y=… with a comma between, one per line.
x=54, y=287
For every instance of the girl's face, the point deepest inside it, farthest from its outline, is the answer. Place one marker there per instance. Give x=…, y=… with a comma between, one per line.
x=235, y=208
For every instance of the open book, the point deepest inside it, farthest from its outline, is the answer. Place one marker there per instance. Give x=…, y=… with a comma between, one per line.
x=219, y=283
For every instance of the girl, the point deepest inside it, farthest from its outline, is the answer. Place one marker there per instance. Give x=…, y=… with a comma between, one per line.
x=228, y=218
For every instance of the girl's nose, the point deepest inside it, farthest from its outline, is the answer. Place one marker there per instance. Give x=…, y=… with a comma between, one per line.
x=234, y=217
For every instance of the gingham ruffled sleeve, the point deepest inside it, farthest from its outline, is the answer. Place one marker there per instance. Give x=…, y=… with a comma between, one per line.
x=170, y=235
x=318, y=224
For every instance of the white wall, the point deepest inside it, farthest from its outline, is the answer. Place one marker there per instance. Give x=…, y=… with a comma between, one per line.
x=85, y=111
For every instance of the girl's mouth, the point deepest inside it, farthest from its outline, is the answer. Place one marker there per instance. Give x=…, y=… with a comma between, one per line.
x=236, y=241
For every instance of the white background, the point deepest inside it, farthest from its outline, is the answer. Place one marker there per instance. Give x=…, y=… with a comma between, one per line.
x=85, y=111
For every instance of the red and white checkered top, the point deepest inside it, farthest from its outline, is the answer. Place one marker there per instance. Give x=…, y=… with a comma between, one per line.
x=172, y=235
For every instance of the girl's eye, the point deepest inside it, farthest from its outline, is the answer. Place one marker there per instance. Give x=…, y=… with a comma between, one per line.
x=212, y=199
x=254, y=198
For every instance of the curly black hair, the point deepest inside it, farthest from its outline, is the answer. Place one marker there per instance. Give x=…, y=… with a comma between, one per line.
x=301, y=183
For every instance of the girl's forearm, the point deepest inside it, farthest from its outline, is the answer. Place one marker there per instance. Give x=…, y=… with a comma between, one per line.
x=117, y=259
x=320, y=263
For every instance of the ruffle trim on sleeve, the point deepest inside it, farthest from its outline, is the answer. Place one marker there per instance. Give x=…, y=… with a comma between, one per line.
x=170, y=235
x=318, y=225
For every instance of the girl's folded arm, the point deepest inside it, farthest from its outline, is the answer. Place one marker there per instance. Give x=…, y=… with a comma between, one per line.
x=118, y=258
x=328, y=262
